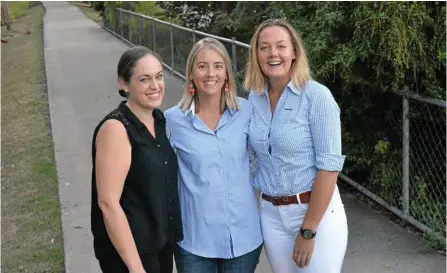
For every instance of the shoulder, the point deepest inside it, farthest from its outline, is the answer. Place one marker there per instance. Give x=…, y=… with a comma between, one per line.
x=317, y=91
x=173, y=113
x=112, y=130
x=255, y=97
x=244, y=103
x=320, y=98
x=158, y=115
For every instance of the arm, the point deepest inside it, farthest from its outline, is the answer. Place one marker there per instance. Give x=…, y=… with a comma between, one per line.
x=326, y=133
x=113, y=158
x=324, y=118
x=253, y=160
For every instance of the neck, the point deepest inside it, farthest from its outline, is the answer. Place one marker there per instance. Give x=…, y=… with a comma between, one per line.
x=209, y=104
x=143, y=114
x=277, y=85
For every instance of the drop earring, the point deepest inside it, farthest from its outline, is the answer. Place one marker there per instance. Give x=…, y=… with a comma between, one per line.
x=227, y=87
x=191, y=89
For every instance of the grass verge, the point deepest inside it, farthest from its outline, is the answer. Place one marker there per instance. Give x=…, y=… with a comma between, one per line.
x=16, y=10
x=89, y=12
x=31, y=217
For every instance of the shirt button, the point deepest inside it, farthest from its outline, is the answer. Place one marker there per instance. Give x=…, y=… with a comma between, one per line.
x=171, y=218
x=158, y=145
x=169, y=200
x=166, y=162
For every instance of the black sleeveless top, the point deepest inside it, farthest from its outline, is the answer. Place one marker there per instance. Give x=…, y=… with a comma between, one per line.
x=150, y=193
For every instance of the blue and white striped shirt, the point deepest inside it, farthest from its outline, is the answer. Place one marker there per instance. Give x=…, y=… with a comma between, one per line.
x=218, y=202
x=302, y=137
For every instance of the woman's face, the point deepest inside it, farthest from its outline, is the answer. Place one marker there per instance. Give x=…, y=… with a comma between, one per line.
x=146, y=85
x=209, y=72
x=275, y=52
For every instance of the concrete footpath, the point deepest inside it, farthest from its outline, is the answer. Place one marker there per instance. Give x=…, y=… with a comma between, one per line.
x=80, y=61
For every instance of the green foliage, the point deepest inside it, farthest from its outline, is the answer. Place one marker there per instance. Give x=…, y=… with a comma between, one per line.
x=361, y=51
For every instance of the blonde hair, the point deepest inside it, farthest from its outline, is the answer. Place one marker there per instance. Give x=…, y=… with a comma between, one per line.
x=228, y=99
x=300, y=70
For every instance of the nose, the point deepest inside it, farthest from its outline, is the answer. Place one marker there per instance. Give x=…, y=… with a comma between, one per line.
x=210, y=72
x=273, y=52
x=153, y=84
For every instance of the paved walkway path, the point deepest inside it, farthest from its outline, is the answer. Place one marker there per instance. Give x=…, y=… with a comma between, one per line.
x=81, y=59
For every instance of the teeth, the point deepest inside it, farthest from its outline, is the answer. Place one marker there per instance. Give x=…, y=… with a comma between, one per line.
x=274, y=63
x=153, y=94
x=210, y=82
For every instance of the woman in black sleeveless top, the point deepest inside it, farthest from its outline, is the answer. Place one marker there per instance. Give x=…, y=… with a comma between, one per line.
x=135, y=213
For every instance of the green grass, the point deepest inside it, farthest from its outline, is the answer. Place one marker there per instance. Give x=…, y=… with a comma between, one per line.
x=16, y=10
x=31, y=217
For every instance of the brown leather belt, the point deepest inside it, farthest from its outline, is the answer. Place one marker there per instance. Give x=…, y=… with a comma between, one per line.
x=288, y=200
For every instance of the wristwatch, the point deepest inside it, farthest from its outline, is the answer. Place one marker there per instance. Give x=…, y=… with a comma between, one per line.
x=307, y=233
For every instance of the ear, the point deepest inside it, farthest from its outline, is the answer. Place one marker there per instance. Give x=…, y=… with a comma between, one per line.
x=123, y=84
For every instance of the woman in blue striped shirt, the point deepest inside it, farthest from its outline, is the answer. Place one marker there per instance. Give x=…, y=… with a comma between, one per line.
x=209, y=131
x=295, y=133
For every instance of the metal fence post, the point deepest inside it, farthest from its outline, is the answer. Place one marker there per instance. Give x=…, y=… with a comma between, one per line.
x=140, y=27
x=234, y=55
x=5, y=15
x=194, y=38
x=172, y=47
x=405, y=157
x=121, y=23
x=129, y=27
x=153, y=34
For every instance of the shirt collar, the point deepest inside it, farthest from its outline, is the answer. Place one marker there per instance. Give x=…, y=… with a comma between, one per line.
x=157, y=114
x=291, y=86
x=192, y=109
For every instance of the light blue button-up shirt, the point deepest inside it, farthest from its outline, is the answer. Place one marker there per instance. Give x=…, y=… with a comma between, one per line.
x=218, y=202
x=300, y=138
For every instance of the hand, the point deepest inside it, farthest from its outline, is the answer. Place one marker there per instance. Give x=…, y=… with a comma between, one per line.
x=302, y=253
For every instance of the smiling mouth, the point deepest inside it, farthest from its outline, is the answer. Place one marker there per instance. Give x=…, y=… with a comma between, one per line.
x=153, y=95
x=210, y=83
x=274, y=64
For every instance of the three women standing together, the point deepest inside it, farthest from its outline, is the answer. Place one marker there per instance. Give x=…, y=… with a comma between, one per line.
x=192, y=192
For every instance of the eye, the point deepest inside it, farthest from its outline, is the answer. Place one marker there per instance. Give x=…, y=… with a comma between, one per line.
x=160, y=76
x=263, y=48
x=219, y=66
x=282, y=46
x=143, y=80
x=201, y=66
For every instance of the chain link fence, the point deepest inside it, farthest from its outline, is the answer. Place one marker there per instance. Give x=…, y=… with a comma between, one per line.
x=427, y=164
x=395, y=149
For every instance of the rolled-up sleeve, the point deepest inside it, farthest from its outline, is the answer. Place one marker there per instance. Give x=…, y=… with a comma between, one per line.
x=325, y=125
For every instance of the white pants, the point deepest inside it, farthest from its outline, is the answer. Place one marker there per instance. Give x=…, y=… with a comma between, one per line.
x=280, y=227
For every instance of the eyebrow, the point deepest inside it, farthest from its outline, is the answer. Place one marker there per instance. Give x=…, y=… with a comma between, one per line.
x=213, y=63
x=145, y=75
x=276, y=42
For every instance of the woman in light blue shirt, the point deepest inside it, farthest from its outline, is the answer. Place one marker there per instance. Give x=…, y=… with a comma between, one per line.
x=295, y=133
x=209, y=131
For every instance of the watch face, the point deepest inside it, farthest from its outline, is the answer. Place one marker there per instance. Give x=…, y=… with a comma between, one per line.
x=307, y=234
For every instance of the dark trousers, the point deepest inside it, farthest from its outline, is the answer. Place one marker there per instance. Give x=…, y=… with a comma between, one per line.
x=189, y=263
x=152, y=263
